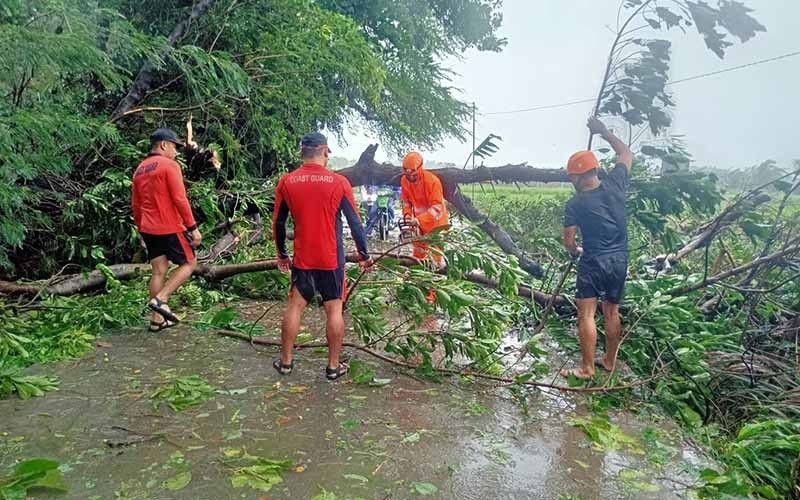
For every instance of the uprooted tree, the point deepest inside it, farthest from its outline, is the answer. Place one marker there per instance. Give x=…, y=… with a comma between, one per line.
x=89, y=83
x=711, y=321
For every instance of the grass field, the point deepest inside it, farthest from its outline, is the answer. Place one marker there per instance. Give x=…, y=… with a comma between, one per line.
x=493, y=193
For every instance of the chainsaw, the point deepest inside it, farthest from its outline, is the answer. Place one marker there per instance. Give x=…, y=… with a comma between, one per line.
x=408, y=231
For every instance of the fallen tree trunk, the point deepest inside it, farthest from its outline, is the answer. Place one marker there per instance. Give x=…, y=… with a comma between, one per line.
x=95, y=280
x=497, y=233
x=367, y=171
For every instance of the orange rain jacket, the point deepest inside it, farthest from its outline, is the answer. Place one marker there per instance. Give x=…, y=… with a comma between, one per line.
x=424, y=200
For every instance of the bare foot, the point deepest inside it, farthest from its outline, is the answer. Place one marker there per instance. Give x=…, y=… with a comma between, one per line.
x=604, y=364
x=581, y=373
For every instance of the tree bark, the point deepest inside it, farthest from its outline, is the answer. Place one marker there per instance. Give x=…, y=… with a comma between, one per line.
x=497, y=233
x=367, y=171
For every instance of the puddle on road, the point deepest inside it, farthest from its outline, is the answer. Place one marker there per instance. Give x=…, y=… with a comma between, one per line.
x=469, y=441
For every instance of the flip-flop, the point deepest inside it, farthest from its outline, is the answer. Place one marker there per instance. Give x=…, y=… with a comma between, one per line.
x=282, y=368
x=157, y=305
x=155, y=326
x=336, y=373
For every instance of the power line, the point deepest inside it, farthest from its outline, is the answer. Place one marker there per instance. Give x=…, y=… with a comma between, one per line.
x=735, y=68
x=682, y=80
x=537, y=108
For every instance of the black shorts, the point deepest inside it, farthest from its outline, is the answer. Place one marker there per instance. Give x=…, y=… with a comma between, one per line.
x=309, y=282
x=602, y=276
x=177, y=247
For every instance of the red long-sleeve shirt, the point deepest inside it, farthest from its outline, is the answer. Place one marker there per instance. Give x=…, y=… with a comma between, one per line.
x=159, y=201
x=316, y=198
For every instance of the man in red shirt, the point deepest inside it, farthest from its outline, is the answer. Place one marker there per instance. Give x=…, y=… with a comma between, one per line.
x=165, y=222
x=316, y=198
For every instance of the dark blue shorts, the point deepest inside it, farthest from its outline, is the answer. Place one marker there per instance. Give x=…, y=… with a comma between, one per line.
x=309, y=282
x=603, y=277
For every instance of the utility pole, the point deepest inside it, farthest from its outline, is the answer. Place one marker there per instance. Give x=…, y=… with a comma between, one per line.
x=473, y=135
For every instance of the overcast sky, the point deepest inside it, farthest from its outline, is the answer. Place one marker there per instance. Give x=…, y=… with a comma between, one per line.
x=556, y=53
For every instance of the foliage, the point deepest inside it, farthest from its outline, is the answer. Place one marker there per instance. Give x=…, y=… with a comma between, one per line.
x=715, y=372
x=25, y=386
x=740, y=180
x=767, y=453
x=65, y=166
x=411, y=37
x=471, y=323
x=485, y=149
x=255, y=472
x=184, y=392
x=605, y=435
x=361, y=373
x=66, y=327
x=62, y=56
x=634, y=87
x=29, y=475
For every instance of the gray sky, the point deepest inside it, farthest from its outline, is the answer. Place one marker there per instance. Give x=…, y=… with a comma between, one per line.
x=556, y=53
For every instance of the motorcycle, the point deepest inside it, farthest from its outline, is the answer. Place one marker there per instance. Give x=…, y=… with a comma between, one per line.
x=385, y=196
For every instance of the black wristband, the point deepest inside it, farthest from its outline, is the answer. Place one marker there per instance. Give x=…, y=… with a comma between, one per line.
x=191, y=228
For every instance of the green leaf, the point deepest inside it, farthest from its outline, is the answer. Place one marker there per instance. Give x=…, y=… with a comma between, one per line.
x=605, y=435
x=224, y=317
x=350, y=424
x=356, y=477
x=360, y=372
x=380, y=382
x=424, y=488
x=325, y=495
x=262, y=475
x=178, y=482
x=37, y=465
x=412, y=438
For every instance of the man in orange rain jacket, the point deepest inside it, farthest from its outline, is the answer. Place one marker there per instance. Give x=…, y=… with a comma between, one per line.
x=423, y=203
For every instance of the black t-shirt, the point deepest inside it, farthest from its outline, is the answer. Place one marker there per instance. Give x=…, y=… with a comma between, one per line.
x=600, y=214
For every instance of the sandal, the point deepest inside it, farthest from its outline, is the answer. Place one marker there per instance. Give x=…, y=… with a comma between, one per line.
x=335, y=373
x=155, y=326
x=282, y=368
x=157, y=305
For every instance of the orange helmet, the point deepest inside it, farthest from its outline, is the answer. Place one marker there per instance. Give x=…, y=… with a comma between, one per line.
x=581, y=162
x=412, y=161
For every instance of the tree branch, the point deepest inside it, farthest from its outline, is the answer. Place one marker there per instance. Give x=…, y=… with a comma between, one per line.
x=144, y=79
x=737, y=270
x=450, y=371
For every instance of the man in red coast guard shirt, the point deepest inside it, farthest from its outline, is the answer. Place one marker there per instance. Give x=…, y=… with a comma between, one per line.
x=316, y=198
x=164, y=218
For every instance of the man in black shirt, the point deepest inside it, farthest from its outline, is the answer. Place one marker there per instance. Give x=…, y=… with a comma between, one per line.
x=598, y=209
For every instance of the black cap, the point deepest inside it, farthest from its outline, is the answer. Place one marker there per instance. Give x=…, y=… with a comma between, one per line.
x=165, y=134
x=313, y=140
